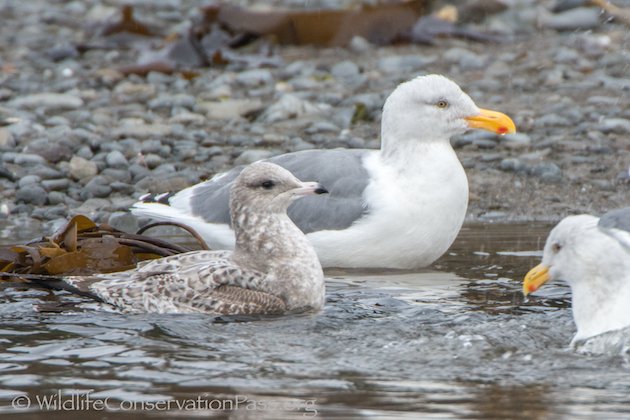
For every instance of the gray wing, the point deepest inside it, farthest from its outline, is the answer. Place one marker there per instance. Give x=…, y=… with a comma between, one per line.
x=340, y=171
x=616, y=219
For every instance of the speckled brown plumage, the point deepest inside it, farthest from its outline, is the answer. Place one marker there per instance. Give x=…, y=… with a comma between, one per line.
x=273, y=268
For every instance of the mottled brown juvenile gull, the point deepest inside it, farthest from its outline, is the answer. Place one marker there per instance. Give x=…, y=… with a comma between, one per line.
x=273, y=269
x=592, y=255
x=400, y=207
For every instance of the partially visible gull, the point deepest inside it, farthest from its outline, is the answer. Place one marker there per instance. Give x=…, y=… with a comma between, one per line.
x=398, y=207
x=273, y=269
x=592, y=255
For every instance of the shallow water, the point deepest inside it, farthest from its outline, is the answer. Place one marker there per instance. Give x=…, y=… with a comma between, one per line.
x=452, y=341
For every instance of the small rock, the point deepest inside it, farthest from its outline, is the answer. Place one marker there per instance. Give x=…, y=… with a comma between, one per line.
x=124, y=221
x=466, y=59
x=153, y=161
x=345, y=70
x=115, y=159
x=81, y=168
x=403, y=64
x=7, y=141
x=229, y=109
x=169, y=101
x=291, y=106
x=56, y=197
x=573, y=19
x=51, y=152
x=512, y=165
x=256, y=77
x=48, y=100
x=56, y=184
x=516, y=141
x=127, y=92
x=493, y=215
x=546, y=171
x=253, y=155
x=97, y=187
x=31, y=194
x=28, y=159
x=28, y=180
x=360, y=45
x=187, y=118
x=615, y=125
x=322, y=127
x=92, y=207
x=603, y=184
x=140, y=130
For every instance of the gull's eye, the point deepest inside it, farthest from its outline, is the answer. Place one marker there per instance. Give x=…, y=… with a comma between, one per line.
x=556, y=247
x=269, y=184
x=442, y=104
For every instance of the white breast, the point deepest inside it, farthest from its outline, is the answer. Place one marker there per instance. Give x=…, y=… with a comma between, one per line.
x=416, y=211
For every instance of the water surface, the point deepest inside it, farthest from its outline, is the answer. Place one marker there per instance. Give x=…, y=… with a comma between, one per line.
x=452, y=341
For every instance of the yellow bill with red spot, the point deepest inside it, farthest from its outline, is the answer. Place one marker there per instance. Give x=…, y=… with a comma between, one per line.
x=535, y=278
x=494, y=121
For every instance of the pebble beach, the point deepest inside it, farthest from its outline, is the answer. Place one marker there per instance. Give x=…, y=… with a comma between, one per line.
x=79, y=137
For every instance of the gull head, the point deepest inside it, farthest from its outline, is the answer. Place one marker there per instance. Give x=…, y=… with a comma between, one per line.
x=434, y=108
x=576, y=252
x=264, y=187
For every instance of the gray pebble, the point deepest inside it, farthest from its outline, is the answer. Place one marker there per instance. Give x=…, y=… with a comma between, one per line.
x=31, y=194
x=153, y=161
x=81, y=168
x=603, y=184
x=574, y=19
x=360, y=44
x=403, y=64
x=85, y=152
x=51, y=152
x=56, y=197
x=124, y=221
x=47, y=100
x=56, y=184
x=615, y=125
x=466, y=59
x=229, y=109
x=28, y=159
x=256, y=77
x=97, y=187
x=151, y=146
x=169, y=101
x=252, y=155
x=114, y=174
x=484, y=144
x=322, y=127
x=546, y=171
x=516, y=141
x=512, y=165
x=493, y=215
x=50, y=212
x=7, y=141
x=28, y=180
x=142, y=131
x=115, y=159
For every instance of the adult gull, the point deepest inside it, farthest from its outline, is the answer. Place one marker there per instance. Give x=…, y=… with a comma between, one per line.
x=398, y=207
x=592, y=255
x=273, y=269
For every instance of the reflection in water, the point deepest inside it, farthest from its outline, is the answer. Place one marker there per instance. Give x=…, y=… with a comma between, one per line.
x=455, y=340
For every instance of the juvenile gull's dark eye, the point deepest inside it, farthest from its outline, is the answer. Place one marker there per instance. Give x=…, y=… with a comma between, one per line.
x=269, y=184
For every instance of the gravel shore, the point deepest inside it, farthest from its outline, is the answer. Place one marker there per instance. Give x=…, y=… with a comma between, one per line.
x=79, y=137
